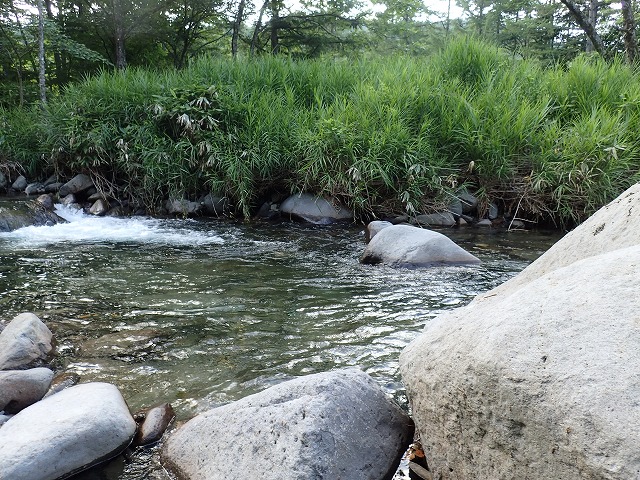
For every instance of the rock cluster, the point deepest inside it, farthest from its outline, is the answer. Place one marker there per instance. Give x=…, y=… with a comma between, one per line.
x=538, y=377
x=52, y=429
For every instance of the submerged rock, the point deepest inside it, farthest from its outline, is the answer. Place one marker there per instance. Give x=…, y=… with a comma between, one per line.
x=334, y=425
x=26, y=342
x=21, y=388
x=66, y=433
x=407, y=246
x=316, y=210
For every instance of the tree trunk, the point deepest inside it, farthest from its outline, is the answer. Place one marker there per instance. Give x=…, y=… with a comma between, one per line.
x=587, y=27
x=275, y=19
x=629, y=30
x=60, y=75
x=236, y=29
x=256, y=30
x=593, y=18
x=42, y=70
x=118, y=20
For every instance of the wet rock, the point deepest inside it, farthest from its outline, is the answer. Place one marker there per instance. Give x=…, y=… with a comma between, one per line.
x=443, y=219
x=25, y=342
x=493, y=212
x=79, y=183
x=46, y=201
x=20, y=214
x=69, y=199
x=183, y=208
x=374, y=227
x=316, y=210
x=66, y=433
x=408, y=246
x=154, y=423
x=21, y=388
x=485, y=222
x=215, y=205
x=517, y=225
x=528, y=381
x=34, y=188
x=51, y=180
x=330, y=425
x=20, y=184
x=117, y=211
x=4, y=182
x=99, y=207
x=61, y=382
x=455, y=208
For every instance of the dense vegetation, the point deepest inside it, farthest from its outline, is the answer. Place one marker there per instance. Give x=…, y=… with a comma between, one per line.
x=382, y=134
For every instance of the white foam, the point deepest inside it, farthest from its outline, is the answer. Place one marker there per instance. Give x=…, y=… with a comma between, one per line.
x=84, y=229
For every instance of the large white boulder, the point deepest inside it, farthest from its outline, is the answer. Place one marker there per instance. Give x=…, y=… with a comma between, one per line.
x=21, y=388
x=66, y=433
x=317, y=210
x=538, y=381
x=25, y=342
x=614, y=226
x=407, y=246
x=334, y=425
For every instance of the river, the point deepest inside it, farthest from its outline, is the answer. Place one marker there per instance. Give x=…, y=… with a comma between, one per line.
x=202, y=312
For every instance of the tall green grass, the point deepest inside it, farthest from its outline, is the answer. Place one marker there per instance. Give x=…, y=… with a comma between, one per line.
x=383, y=135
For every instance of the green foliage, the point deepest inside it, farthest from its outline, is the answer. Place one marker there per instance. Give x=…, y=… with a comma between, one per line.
x=385, y=134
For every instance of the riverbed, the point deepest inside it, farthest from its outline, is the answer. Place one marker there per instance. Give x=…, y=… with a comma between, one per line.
x=203, y=312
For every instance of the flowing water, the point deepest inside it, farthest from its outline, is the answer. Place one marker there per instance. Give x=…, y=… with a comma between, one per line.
x=200, y=313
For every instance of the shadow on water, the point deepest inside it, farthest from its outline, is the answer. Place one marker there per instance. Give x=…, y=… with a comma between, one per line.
x=200, y=313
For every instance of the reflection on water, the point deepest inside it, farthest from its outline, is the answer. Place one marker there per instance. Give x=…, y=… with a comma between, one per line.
x=199, y=313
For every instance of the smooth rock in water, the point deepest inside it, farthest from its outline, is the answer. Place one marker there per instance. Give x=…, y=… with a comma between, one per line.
x=182, y=207
x=69, y=200
x=444, y=219
x=614, y=226
x=46, y=201
x=316, y=210
x=99, y=207
x=155, y=423
x=374, y=227
x=20, y=184
x=21, y=388
x=34, y=188
x=20, y=214
x=62, y=382
x=333, y=425
x=77, y=184
x=66, y=433
x=538, y=381
x=408, y=246
x=485, y=222
x=215, y=205
x=4, y=183
x=25, y=342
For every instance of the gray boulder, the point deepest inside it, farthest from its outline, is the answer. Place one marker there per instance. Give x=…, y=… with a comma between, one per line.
x=34, y=188
x=20, y=214
x=4, y=183
x=215, y=205
x=53, y=187
x=374, y=227
x=99, y=207
x=469, y=202
x=154, y=422
x=21, y=388
x=66, y=433
x=442, y=219
x=316, y=210
x=25, y=342
x=538, y=381
x=79, y=183
x=183, y=208
x=69, y=200
x=334, y=425
x=20, y=184
x=407, y=246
